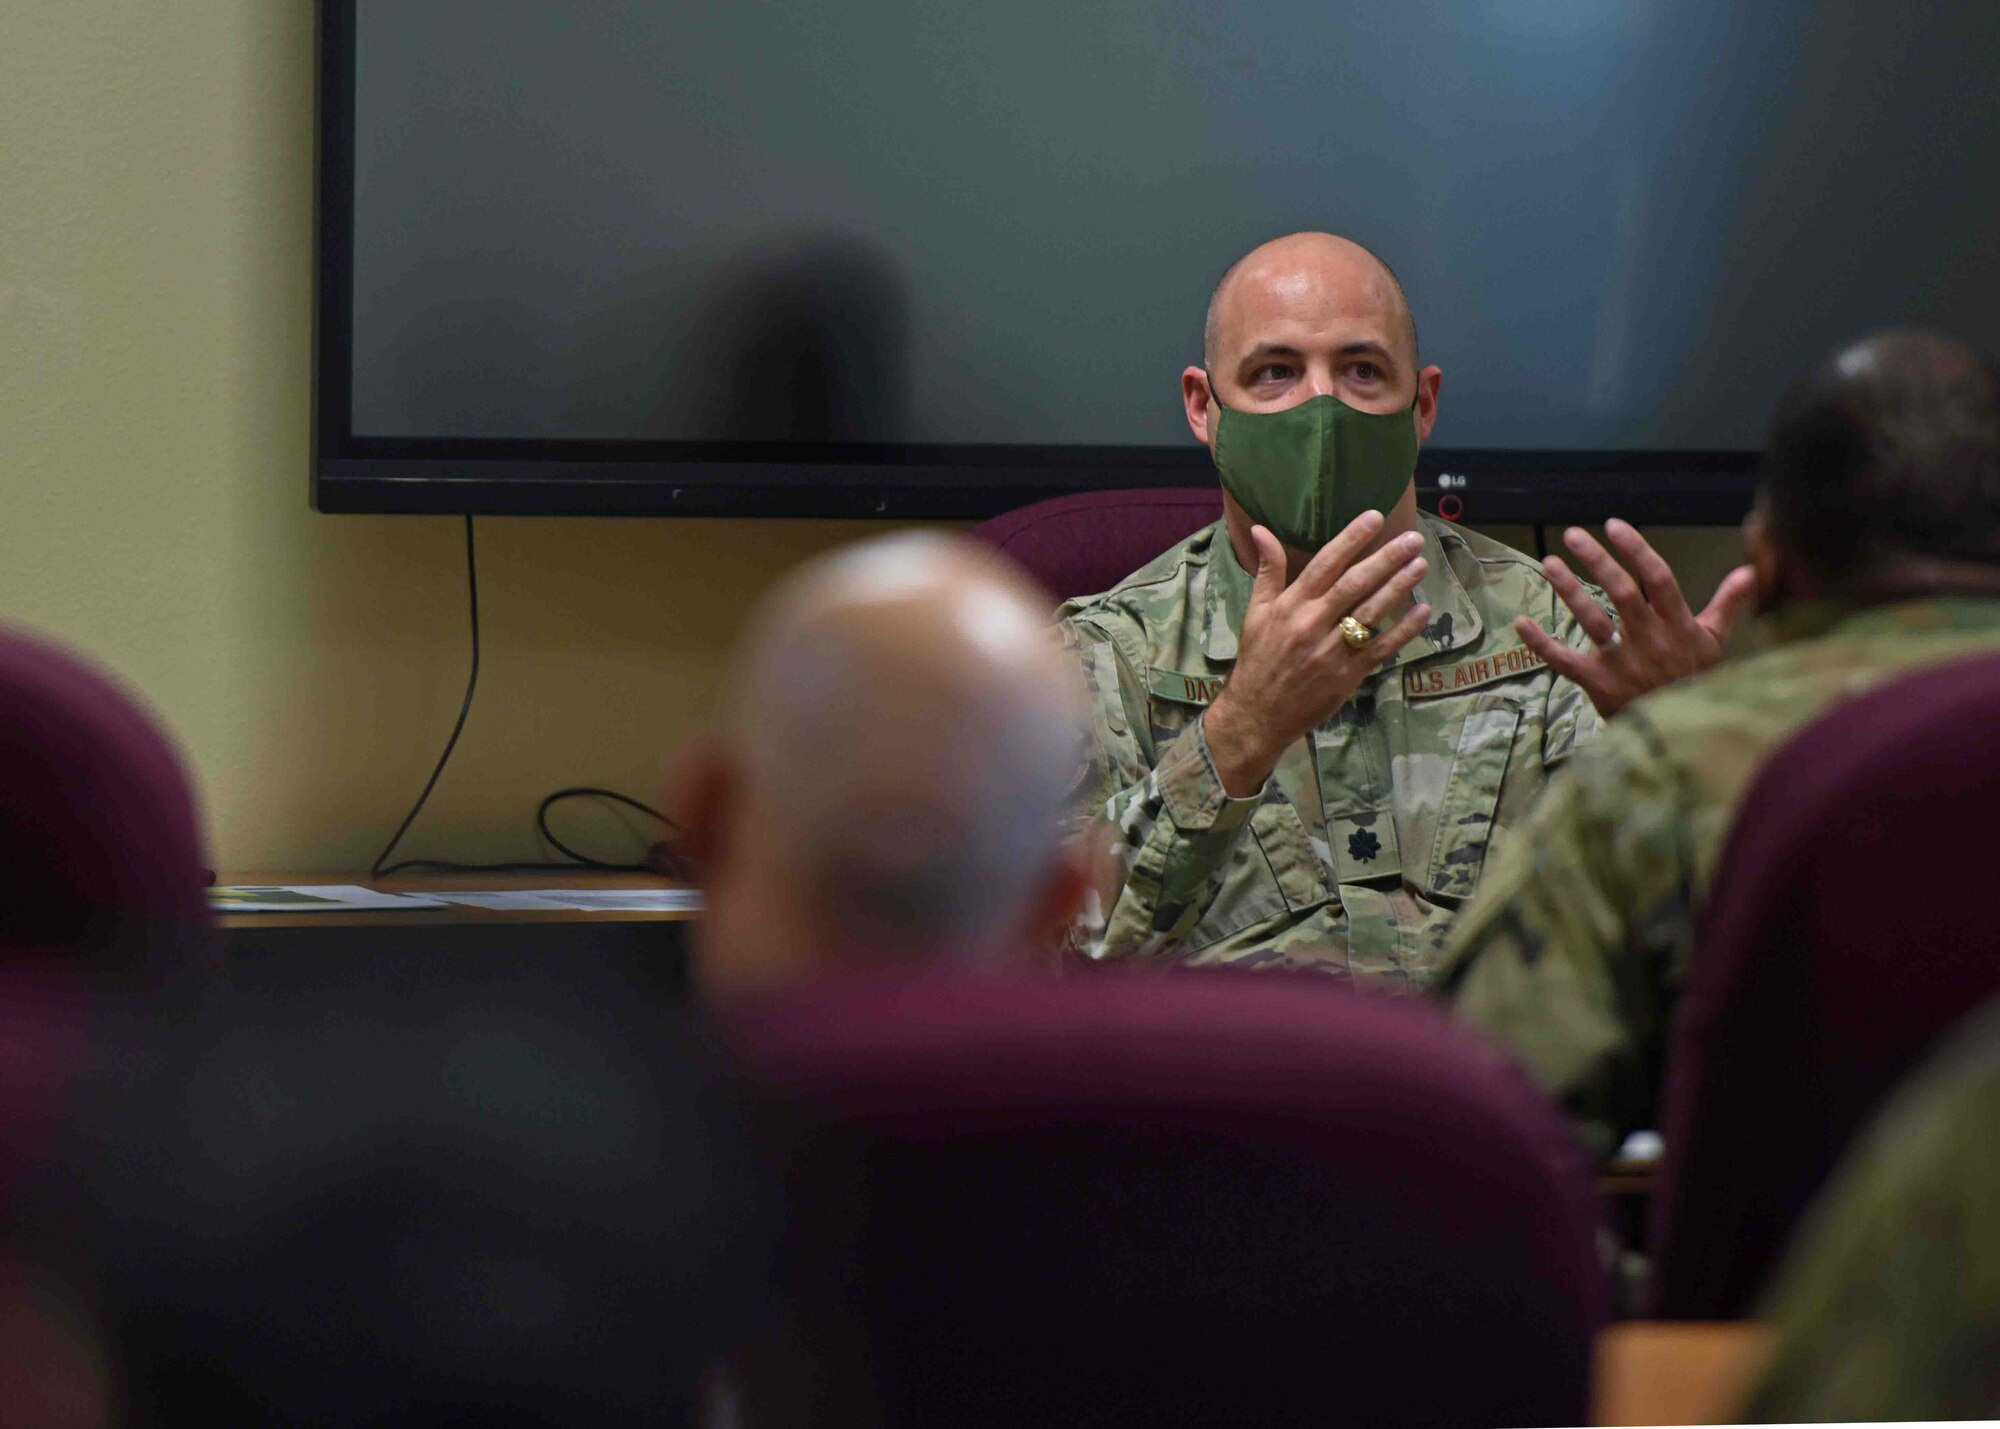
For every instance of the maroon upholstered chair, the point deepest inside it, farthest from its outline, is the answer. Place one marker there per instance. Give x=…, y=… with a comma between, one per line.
x=101, y=899
x=1192, y=1199
x=1851, y=922
x=1080, y=545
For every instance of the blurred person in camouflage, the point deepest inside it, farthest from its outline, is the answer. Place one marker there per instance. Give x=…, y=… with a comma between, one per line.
x=901, y=734
x=1316, y=717
x=1887, y=1305
x=1876, y=547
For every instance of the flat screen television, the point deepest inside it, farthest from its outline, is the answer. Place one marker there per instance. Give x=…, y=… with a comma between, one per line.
x=939, y=258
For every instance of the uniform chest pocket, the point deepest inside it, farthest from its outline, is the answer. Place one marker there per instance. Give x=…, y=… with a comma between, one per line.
x=1471, y=801
x=1295, y=865
x=1166, y=720
x=1273, y=872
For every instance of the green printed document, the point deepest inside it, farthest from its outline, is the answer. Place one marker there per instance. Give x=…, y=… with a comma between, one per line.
x=313, y=898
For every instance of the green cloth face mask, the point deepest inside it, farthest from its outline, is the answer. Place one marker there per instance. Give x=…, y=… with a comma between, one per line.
x=1307, y=471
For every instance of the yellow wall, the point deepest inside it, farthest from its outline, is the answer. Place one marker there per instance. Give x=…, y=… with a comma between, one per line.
x=155, y=314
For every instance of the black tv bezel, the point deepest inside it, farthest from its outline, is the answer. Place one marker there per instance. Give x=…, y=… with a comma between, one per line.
x=488, y=477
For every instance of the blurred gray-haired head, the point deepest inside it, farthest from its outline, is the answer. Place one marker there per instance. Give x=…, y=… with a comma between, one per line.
x=904, y=731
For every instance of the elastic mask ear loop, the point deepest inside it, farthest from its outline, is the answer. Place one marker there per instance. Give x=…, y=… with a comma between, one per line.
x=1214, y=399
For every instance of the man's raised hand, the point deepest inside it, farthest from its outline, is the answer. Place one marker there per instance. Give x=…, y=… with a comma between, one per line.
x=1293, y=669
x=1654, y=639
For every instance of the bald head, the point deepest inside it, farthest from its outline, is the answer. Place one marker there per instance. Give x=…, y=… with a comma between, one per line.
x=1305, y=270
x=1886, y=453
x=906, y=730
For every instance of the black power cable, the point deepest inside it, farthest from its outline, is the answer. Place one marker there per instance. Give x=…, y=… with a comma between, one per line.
x=584, y=791
x=382, y=868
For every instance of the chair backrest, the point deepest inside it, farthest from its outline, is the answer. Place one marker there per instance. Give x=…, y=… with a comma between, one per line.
x=1083, y=544
x=103, y=867
x=101, y=899
x=1849, y=925
x=1193, y=1199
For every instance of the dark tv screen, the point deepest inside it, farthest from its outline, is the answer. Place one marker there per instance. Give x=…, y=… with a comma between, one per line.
x=942, y=258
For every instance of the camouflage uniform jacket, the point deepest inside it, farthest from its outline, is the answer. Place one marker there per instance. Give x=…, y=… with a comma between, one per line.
x=1371, y=830
x=1577, y=945
x=1888, y=1305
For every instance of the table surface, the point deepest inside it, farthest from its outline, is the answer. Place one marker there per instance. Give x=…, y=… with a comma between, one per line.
x=420, y=883
x=1675, y=1373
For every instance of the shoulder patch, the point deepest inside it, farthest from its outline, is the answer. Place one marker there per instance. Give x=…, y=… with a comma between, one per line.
x=1173, y=686
x=1434, y=680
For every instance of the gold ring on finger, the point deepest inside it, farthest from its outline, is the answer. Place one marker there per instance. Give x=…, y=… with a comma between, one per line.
x=1355, y=633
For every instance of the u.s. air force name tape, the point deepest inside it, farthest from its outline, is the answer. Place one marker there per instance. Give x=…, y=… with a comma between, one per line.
x=1430, y=681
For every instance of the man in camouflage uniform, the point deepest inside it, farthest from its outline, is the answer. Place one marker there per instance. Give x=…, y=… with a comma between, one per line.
x=1888, y=1305
x=1876, y=545
x=1285, y=797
